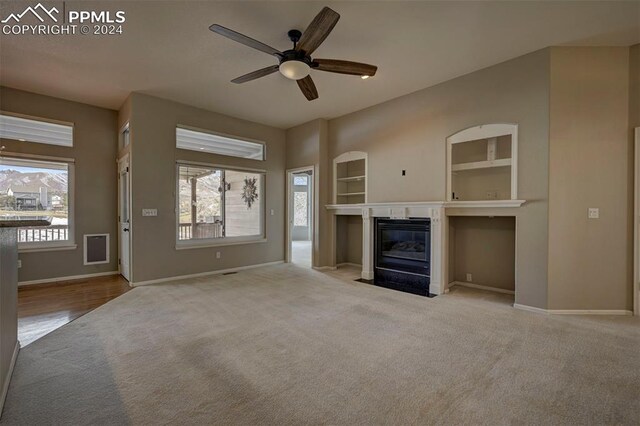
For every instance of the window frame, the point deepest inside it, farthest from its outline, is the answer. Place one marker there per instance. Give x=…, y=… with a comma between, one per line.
x=70, y=243
x=223, y=241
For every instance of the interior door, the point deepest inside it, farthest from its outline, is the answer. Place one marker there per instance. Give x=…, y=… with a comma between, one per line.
x=124, y=217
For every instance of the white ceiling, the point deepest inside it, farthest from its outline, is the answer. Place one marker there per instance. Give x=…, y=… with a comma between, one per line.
x=167, y=50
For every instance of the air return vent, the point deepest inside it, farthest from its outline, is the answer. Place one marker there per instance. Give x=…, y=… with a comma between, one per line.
x=96, y=249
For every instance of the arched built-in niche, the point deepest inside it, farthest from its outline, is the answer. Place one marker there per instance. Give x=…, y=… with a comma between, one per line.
x=350, y=178
x=482, y=163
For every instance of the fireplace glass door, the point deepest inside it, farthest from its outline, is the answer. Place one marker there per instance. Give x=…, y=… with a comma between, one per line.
x=403, y=245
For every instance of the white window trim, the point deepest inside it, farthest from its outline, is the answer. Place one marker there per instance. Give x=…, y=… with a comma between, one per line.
x=224, y=241
x=69, y=244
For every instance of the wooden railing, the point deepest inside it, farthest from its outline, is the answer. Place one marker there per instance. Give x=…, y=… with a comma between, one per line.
x=202, y=230
x=38, y=234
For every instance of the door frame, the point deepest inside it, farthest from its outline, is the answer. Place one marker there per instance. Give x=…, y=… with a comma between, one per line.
x=125, y=159
x=636, y=226
x=314, y=208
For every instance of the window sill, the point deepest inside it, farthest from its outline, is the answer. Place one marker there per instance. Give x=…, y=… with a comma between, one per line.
x=209, y=243
x=39, y=248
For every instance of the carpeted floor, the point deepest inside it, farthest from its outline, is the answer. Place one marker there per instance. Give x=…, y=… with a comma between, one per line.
x=289, y=345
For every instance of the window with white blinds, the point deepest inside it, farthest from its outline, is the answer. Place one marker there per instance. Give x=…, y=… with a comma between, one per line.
x=38, y=131
x=213, y=143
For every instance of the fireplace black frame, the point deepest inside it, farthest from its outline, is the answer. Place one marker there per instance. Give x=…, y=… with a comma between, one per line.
x=412, y=275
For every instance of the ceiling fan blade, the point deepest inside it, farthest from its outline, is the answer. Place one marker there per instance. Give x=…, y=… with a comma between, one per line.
x=255, y=74
x=241, y=38
x=345, y=67
x=318, y=30
x=308, y=88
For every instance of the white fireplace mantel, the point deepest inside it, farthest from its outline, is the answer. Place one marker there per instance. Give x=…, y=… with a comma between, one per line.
x=434, y=210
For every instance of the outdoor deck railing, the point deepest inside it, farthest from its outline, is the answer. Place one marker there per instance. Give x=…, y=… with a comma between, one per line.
x=202, y=230
x=38, y=234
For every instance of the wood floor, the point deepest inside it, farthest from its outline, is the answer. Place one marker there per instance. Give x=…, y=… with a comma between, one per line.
x=43, y=308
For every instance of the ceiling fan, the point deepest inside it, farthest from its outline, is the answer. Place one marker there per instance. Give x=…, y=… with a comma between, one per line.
x=296, y=63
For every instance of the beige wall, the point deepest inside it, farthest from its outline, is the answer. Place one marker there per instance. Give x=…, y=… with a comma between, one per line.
x=634, y=87
x=349, y=240
x=485, y=248
x=308, y=145
x=8, y=305
x=590, y=263
x=409, y=133
x=94, y=151
x=154, y=156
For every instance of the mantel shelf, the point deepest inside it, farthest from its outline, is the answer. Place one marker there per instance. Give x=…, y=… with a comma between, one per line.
x=503, y=162
x=482, y=204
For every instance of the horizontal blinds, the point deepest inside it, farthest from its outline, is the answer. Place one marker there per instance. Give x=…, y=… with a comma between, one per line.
x=217, y=144
x=29, y=130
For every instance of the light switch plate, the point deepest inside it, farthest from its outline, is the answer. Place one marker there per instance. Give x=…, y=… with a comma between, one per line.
x=594, y=213
x=149, y=212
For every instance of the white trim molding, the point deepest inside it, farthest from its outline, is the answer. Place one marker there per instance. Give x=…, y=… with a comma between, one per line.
x=617, y=312
x=204, y=274
x=481, y=287
x=67, y=278
x=7, y=380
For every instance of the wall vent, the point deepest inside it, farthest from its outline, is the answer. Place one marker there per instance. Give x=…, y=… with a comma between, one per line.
x=96, y=249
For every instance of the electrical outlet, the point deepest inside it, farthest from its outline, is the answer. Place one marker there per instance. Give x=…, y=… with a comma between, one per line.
x=492, y=195
x=594, y=213
x=218, y=255
x=149, y=212
x=272, y=211
x=19, y=263
x=469, y=278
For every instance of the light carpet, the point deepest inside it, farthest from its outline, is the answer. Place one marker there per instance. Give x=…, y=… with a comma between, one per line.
x=289, y=345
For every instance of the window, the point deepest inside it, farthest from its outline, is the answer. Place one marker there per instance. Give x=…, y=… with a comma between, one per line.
x=125, y=136
x=39, y=131
x=300, y=180
x=202, y=141
x=300, y=209
x=35, y=188
x=218, y=204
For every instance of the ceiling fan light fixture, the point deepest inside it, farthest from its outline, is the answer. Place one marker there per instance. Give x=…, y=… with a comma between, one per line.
x=294, y=70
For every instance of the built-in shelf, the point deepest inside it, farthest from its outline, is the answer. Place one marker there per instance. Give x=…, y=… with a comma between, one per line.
x=351, y=178
x=502, y=162
x=348, y=194
x=482, y=164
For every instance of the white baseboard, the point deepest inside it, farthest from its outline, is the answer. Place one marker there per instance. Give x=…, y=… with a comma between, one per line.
x=573, y=311
x=481, y=287
x=69, y=278
x=7, y=380
x=204, y=274
x=325, y=268
x=355, y=265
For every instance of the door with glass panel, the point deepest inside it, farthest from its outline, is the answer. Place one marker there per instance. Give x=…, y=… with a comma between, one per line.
x=124, y=216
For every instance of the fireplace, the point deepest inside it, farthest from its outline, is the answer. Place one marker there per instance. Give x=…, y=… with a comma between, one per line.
x=403, y=254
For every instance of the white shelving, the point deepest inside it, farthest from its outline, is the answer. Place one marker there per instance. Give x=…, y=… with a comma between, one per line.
x=350, y=178
x=482, y=164
x=503, y=162
x=348, y=194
